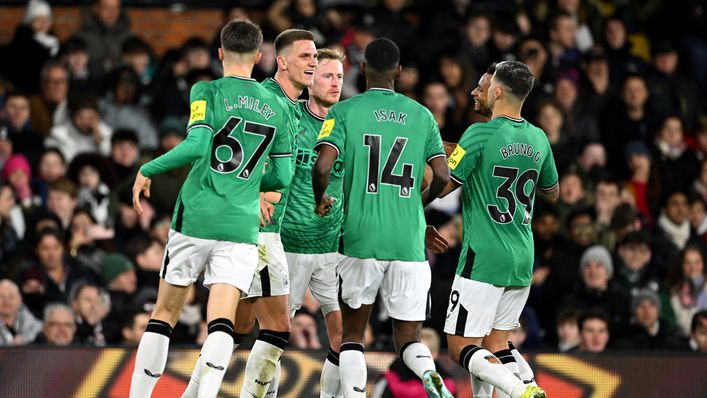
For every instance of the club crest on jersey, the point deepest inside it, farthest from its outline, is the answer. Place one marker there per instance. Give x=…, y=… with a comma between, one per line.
x=198, y=111
x=327, y=127
x=456, y=157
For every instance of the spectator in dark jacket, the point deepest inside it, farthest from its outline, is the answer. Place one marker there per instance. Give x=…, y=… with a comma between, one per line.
x=59, y=274
x=31, y=47
x=596, y=290
x=59, y=326
x=594, y=332
x=647, y=330
x=49, y=107
x=104, y=29
x=90, y=308
x=24, y=140
x=677, y=164
x=634, y=269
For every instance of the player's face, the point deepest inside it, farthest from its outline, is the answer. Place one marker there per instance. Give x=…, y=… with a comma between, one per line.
x=480, y=95
x=595, y=335
x=300, y=62
x=328, y=78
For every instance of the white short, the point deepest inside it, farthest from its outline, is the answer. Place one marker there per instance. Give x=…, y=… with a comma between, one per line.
x=318, y=272
x=477, y=307
x=186, y=257
x=271, y=277
x=403, y=285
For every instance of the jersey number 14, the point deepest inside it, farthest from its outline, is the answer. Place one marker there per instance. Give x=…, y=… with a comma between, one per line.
x=227, y=151
x=405, y=180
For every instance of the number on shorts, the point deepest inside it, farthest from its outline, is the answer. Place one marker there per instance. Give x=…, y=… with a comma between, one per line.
x=454, y=299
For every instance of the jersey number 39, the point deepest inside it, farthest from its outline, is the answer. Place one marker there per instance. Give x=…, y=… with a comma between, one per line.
x=227, y=151
x=509, y=175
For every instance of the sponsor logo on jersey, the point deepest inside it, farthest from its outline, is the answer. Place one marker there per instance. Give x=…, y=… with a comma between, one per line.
x=456, y=157
x=198, y=111
x=327, y=126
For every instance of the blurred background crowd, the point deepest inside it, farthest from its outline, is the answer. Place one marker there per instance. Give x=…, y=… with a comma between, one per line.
x=621, y=92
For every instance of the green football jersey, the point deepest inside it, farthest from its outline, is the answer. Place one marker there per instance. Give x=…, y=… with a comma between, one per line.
x=500, y=164
x=302, y=230
x=294, y=115
x=385, y=140
x=236, y=124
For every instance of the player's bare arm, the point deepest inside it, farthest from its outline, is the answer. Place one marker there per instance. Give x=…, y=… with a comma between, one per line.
x=320, y=178
x=551, y=194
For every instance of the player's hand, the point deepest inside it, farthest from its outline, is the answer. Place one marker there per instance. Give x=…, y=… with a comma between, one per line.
x=324, y=207
x=142, y=184
x=266, y=211
x=435, y=241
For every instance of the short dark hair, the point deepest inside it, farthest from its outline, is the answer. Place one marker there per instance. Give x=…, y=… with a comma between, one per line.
x=135, y=45
x=289, y=36
x=594, y=314
x=241, y=36
x=517, y=76
x=491, y=69
x=382, y=55
x=123, y=135
x=50, y=232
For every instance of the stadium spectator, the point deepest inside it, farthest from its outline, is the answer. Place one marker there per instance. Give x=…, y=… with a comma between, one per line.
x=147, y=253
x=568, y=338
x=671, y=92
x=118, y=276
x=56, y=273
x=436, y=98
x=83, y=132
x=698, y=334
x=648, y=331
x=699, y=186
x=686, y=288
x=121, y=108
x=304, y=331
x=593, y=333
x=596, y=291
x=59, y=326
x=622, y=62
x=18, y=173
x=24, y=139
x=634, y=270
x=61, y=200
x=698, y=216
x=643, y=182
x=33, y=39
x=74, y=55
x=84, y=237
x=137, y=54
x=90, y=310
x=104, y=28
x=172, y=132
x=588, y=20
x=572, y=197
x=673, y=231
x=504, y=40
x=92, y=175
x=17, y=324
x=124, y=156
x=49, y=107
x=400, y=382
x=591, y=164
x=562, y=46
x=624, y=221
x=476, y=43
x=12, y=223
x=550, y=118
x=52, y=168
x=133, y=326
x=6, y=144
x=676, y=163
x=626, y=120
x=580, y=124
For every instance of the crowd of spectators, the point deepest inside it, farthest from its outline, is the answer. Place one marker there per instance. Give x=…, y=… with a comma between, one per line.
x=620, y=92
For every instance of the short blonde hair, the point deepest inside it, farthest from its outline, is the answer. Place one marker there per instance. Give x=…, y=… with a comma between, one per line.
x=330, y=53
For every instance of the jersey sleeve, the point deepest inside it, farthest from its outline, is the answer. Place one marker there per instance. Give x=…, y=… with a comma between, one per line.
x=434, y=147
x=282, y=144
x=333, y=131
x=548, y=172
x=466, y=155
x=201, y=106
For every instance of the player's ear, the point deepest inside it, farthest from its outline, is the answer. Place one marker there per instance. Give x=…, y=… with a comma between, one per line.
x=220, y=54
x=258, y=55
x=281, y=62
x=363, y=69
x=397, y=72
